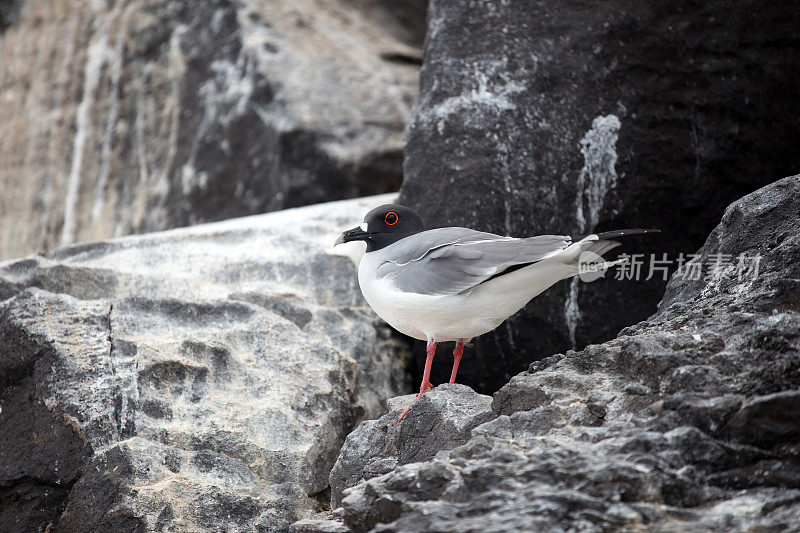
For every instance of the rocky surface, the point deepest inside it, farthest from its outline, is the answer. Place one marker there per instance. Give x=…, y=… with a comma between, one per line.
x=687, y=421
x=557, y=117
x=441, y=420
x=125, y=117
x=196, y=379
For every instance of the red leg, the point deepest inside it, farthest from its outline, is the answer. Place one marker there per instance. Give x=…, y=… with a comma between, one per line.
x=426, y=376
x=456, y=359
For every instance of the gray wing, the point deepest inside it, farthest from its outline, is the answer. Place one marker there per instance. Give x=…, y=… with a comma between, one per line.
x=454, y=260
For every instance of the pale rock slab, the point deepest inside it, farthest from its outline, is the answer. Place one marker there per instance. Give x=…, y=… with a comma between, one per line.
x=188, y=380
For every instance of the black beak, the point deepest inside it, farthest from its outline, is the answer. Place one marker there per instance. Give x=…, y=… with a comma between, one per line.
x=355, y=234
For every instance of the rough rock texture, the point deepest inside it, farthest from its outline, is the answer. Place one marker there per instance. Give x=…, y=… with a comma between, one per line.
x=564, y=117
x=441, y=420
x=127, y=116
x=197, y=379
x=686, y=422
x=319, y=525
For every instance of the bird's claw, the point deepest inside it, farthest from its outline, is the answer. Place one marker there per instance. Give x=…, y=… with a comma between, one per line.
x=425, y=388
x=406, y=411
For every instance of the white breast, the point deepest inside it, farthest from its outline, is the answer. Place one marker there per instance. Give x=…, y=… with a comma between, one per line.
x=384, y=298
x=439, y=317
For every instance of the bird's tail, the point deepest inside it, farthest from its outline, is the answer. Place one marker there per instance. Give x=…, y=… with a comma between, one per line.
x=615, y=233
x=588, y=256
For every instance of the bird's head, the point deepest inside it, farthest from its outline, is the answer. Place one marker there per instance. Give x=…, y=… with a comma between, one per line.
x=383, y=226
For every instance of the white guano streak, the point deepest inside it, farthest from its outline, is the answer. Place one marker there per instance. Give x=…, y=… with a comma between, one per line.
x=597, y=177
x=111, y=122
x=96, y=56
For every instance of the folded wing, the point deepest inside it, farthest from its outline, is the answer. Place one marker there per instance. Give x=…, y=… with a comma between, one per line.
x=450, y=261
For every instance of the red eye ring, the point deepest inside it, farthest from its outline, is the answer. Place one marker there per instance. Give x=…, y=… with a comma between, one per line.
x=386, y=218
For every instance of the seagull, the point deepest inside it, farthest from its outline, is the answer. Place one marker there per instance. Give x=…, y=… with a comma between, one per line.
x=453, y=284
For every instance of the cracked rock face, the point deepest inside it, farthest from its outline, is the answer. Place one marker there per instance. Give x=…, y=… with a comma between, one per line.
x=127, y=117
x=687, y=421
x=555, y=117
x=195, y=379
x=440, y=420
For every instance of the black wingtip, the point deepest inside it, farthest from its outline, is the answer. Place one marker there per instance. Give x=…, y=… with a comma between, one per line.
x=620, y=233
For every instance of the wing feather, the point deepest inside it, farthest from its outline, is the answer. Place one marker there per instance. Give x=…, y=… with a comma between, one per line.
x=455, y=260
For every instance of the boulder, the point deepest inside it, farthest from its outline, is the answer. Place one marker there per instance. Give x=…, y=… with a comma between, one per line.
x=554, y=117
x=440, y=420
x=195, y=379
x=128, y=117
x=686, y=421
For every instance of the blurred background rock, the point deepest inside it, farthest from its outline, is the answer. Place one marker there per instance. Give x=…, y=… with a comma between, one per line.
x=120, y=117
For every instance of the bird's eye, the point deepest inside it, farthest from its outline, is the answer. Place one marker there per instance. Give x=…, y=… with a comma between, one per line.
x=391, y=218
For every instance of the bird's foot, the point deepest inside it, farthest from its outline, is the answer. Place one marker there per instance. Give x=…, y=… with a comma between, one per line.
x=408, y=409
x=425, y=388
